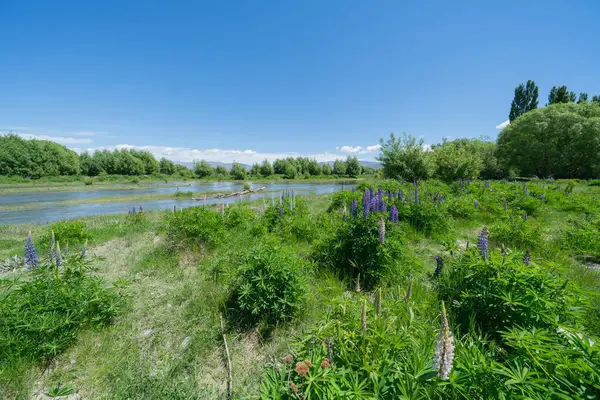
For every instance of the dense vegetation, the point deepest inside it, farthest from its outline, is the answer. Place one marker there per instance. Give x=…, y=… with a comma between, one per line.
x=468, y=290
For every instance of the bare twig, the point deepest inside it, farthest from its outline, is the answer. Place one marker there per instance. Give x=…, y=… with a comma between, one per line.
x=230, y=376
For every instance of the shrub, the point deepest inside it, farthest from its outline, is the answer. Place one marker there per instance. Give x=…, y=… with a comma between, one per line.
x=355, y=248
x=198, y=225
x=290, y=208
x=343, y=197
x=88, y=181
x=42, y=312
x=514, y=231
x=581, y=237
x=500, y=294
x=67, y=232
x=269, y=286
x=425, y=217
x=238, y=215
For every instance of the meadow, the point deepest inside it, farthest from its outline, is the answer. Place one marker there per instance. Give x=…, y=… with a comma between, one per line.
x=469, y=290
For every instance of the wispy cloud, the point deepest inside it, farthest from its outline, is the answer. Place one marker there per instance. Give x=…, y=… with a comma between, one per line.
x=185, y=154
x=87, y=133
x=56, y=139
x=359, y=149
x=503, y=125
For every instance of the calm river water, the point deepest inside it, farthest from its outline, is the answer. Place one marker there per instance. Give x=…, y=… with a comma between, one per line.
x=48, y=207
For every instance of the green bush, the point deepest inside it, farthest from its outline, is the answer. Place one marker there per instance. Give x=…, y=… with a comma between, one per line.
x=197, y=225
x=341, y=198
x=581, y=237
x=499, y=294
x=269, y=287
x=42, y=312
x=239, y=215
x=354, y=248
x=67, y=232
x=88, y=181
x=425, y=217
x=514, y=231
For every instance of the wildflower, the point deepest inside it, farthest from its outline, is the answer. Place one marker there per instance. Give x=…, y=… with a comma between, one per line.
x=301, y=368
x=382, y=205
x=524, y=217
x=416, y=193
x=527, y=257
x=439, y=267
x=344, y=216
x=382, y=231
x=287, y=359
x=400, y=195
x=308, y=362
x=294, y=388
x=51, y=248
x=366, y=203
x=505, y=205
x=444, y=350
x=141, y=209
x=58, y=255
x=374, y=205
x=482, y=243
x=486, y=184
x=280, y=211
x=372, y=192
x=133, y=210
x=357, y=287
x=325, y=363
x=83, y=250
x=525, y=191
x=363, y=320
x=476, y=203
x=353, y=208
x=394, y=214
x=504, y=254
x=409, y=292
x=30, y=254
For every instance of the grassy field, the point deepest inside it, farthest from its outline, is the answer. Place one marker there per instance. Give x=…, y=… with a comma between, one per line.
x=177, y=274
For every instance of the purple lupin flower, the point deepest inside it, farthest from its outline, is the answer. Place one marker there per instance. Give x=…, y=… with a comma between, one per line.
x=31, y=259
x=416, y=193
x=382, y=231
x=444, y=349
x=366, y=203
x=486, y=184
x=443, y=198
x=439, y=266
x=133, y=210
x=524, y=217
x=400, y=195
x=372, y=192
x=394, y=214
x=527, y=257
x=482, y=243
x=382, y=205
x=505, y=205
x=141, y=209
x=354, y=208
x=280, y=211
x=476, y=203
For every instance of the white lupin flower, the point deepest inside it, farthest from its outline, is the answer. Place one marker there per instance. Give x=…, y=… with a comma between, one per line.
x=444, y=350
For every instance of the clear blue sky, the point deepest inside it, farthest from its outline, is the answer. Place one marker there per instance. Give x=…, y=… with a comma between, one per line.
x=282, y=76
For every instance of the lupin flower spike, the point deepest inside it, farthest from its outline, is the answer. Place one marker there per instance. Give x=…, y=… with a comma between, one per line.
x=482, y=243
x=527, y=258
x=51, y=247
x=31, y=259
x=439, y=266
x=444, y=350
x=58, y=255
x=409, y=291
x=357, y=286
x=382, y=231
x=393, y=214
x=378, y=301
x=363, y=320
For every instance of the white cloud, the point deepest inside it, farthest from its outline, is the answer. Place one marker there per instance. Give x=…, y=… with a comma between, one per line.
x=86, y=133
x=56, y=139
x=503, y=125
x=359, y=149
x=185, y=154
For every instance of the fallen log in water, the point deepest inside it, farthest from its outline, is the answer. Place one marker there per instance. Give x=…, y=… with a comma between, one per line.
x=222, y=195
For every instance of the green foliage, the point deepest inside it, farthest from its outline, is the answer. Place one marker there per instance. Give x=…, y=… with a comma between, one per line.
x=238, y=172
x=526, y=99
x=580, y=237
x=514, y=231
x=559, y=140
x=327, y=169
x=339, y=168
x=68, y=232
x=354, y=248
x=197, y=225
x=425, y=217
x=352, y=167
x=269, y=286
x=457, y=160
x=405, y=158
x=239, y=215
x=560, y=94
x=203, y=169
x=290, y=171
x=341, y=198
x=499, y=294
x=266, y=169
x=42, y=313
x=166, y=167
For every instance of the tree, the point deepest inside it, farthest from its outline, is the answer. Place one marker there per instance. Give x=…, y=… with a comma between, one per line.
x=405, y=158
x=326, y=168
x=238, y=172
x=583, y=97
x=561, y=95
x=352, y=167
x=525, y=99
x=89, y=165
x=596, y=99
x=266, y=169
x=456, y=160
x=561, y=140
x=166, y=166
x=339, y=168
x=203, y=169
x=290, y=171
x=314, y=168
x=150, y=164
x=221, y=172
x=279, y=166
x=255, y=170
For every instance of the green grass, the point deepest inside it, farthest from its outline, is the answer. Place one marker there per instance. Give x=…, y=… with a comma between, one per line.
x=168, y=344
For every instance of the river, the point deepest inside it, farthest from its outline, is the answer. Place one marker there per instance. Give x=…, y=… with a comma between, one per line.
x=49, y=206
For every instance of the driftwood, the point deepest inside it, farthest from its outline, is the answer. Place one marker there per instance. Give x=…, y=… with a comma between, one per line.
x=222, y=195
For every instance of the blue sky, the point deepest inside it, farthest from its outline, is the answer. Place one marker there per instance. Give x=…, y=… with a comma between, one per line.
x=247, y=80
